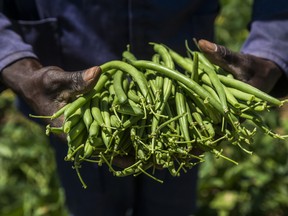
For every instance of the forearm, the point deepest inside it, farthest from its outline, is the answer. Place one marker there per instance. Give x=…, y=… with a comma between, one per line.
x=14, y=75
x=268, y=39
x=13, y=48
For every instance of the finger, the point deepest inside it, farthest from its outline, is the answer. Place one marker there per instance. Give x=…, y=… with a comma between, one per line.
x=248, y=68
x=67, y=85
x=232, y=62
x=84, y=81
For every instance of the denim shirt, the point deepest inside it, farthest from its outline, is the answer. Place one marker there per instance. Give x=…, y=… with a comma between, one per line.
x=78, y=34
x=268, y=38
x=269, y=32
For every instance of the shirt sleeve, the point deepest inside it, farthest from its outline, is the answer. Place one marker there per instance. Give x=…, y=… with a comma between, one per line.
x=269, y=40
x=12, y=46
x=268, y=36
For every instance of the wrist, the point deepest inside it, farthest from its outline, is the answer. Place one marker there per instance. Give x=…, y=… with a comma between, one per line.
x=15, y=75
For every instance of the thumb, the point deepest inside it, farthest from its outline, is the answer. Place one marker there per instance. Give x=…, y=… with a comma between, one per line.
x=259, y=72
x=83, y=81
x=232, y=62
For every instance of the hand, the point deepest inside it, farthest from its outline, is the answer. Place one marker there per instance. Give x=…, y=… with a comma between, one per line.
x=261, y=73
x=46, y=89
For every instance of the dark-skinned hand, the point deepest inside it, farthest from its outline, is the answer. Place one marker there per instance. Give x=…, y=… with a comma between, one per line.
x=258, y=72
x=46, y=89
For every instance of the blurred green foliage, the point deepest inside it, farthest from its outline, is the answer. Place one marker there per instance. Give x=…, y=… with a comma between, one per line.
x=29, y=184
x=231, y=26
x=257, y=186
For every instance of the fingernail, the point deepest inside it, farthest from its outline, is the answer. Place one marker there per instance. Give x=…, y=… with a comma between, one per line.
x=207, y=46
x=91, y=73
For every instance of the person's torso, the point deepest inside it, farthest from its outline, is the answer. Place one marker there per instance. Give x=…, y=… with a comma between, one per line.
x=78, y=34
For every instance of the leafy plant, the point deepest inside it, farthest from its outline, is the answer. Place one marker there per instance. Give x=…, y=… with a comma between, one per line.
x=231, y=26
x=28, y=182
x=257, y=186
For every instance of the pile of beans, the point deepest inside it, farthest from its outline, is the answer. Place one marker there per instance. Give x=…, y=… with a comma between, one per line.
x=163, y=112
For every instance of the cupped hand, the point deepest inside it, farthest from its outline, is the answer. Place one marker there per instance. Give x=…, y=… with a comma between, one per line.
x=46, y=89
x=261, y=73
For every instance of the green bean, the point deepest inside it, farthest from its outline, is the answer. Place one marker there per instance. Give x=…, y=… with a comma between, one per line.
x=230, y=98
x=104, y=109
x=164, y=54
x=196, y=114
x=76, y=130
x=180, y=102
x=127, y=55
x=211, y=91
x=72, y=120
x=126, y=83
x=181, y=78
x=132, y=95
x=87, y=116
x=95, y=109
x=202, y=59
x=105, y=137
x=54, y=130
x=115, y=121
x=118, y=87
x=191, y=123
x=242, y=95
x=195, y=73
x=76, y=104
x=133, y=72
x=167, y=87
x=132, y=120
x=74, y=145
x=217, y=85
x=94, y=129
x=257, y=120
x=203, y=105
x=88, y=149
x=159, y=79
x=180, y=61
x=130, y=108
x=168, y=112
x=170, y=120
x=111, y=89
x=209, y=128
x=155, y=91
x=106, y=75
x=249, y=89
x=60, y=111
x=55, y=115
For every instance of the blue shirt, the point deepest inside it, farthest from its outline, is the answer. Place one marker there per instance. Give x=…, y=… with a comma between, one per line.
x=269, y=32
x=78, y=34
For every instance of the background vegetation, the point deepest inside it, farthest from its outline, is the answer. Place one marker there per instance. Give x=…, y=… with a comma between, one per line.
x=29, y=185
x=257, y=186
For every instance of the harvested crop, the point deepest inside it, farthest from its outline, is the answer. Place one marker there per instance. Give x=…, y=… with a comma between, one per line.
x=165, y=112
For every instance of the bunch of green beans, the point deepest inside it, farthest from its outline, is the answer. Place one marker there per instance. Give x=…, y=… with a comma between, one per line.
x=164, y=112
